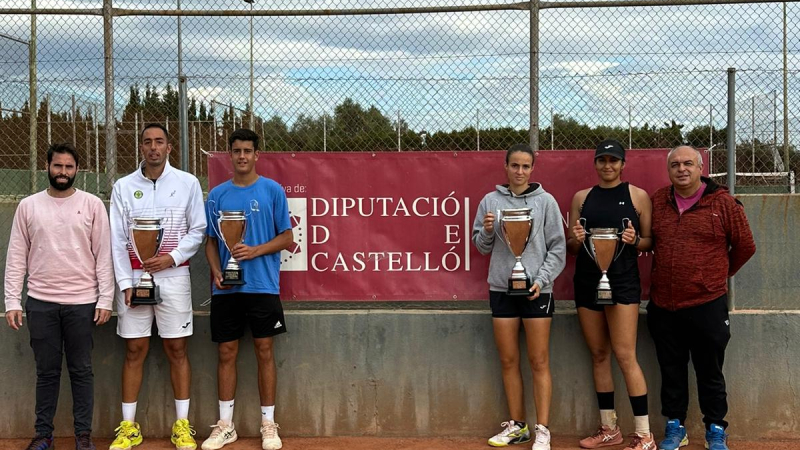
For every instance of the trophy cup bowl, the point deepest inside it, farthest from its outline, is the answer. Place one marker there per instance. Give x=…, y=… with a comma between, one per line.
x=603, y=242
x=145, y=239
x=515, y=225
x=231, y=226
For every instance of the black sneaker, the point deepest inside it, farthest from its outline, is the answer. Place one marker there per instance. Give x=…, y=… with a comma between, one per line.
x=41, y=443
x=83, y=441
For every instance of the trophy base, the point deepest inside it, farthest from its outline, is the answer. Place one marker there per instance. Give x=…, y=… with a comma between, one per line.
x=604, y=298
x=145, y=296
x=232, y=278
x=519, y=287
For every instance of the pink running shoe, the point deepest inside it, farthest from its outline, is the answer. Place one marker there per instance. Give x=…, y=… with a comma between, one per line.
x=641, y=443
x=603, y=437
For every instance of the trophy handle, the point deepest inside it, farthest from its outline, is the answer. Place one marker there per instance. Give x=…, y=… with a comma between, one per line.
x=212, y=206
x=160, y=240
x=582, y=221
x=126, y=214
x=625, y=222
x=497, y=224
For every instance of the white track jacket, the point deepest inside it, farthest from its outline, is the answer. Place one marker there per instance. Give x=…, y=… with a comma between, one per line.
x=177, y=199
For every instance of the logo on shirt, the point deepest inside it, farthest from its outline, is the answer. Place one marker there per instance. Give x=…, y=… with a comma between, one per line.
x=295, y=258
x=138, y=194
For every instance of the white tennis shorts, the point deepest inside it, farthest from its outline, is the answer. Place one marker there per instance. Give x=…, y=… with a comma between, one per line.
x=173, y=315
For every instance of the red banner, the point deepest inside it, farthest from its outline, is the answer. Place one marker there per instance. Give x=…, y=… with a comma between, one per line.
x=397, y=226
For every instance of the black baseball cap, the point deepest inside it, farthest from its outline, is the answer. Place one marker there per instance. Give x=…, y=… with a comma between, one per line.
x=610, y=147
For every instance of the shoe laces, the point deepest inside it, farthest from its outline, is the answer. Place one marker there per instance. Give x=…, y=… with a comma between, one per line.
x=184, y=430
x=217, y=429
x=269, y=429
x=673, y=431
x=38, y=443
x=714, y=436
x=601, y=431
x=124, y=428
x=542, y=435
x=635, y=440
x=508, y=428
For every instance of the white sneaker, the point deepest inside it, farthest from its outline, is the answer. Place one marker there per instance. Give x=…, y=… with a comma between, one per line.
x=542, y=441
x=221, y=435
x=269, y=436
x=512, y=434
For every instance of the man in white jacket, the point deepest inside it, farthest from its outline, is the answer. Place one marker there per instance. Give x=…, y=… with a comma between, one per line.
x=157, y=190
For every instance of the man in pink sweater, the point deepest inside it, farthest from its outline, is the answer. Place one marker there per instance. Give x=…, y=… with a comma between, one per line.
x=61, y=239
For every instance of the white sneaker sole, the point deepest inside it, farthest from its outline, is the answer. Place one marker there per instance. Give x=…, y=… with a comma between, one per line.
x=273, y=445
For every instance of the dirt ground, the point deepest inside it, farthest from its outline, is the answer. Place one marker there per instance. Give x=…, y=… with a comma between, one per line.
x=372, y=443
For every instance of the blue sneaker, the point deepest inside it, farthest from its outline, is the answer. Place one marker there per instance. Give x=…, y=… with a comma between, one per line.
x=41, y=443
x=716, y=439
x=674, y=436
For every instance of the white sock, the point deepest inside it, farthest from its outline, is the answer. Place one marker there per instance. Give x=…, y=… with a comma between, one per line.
x=608, y=417
x=129, y=411
x=182, y=408
x=642, y=424
x=226, y=411
x=268, y=413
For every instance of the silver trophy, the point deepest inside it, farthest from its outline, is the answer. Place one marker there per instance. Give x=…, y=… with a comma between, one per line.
x=145, y=238
x=230, y=227
x=605, y=249
x=514, y=228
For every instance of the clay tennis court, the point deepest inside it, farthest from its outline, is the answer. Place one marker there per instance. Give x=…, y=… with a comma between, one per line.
x=372, y=443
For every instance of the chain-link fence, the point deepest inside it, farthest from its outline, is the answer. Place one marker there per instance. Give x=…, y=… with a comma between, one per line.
x=396, y=75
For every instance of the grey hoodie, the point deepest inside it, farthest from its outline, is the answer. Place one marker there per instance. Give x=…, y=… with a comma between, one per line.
x=544, y=257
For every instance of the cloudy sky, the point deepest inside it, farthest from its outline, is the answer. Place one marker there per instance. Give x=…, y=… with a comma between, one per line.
x=439, y=71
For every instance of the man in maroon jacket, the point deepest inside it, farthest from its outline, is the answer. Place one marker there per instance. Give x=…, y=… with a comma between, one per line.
x=701, y=238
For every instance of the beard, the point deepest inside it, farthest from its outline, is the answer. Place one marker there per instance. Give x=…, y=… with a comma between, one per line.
x=60, y=185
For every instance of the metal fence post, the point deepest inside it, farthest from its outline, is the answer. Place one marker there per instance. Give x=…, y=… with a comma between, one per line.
x=184, y=122
x=74, y=125
x=183, y=103
x=478, y=129
x=96, y=150
x=534, y=72
x=136, y=138
x=731, y=160
x=786, y=95
x=111, y=129
x=32, y=101
x=49, y=121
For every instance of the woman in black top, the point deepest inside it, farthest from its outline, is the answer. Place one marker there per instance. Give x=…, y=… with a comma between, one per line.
x=612, y=203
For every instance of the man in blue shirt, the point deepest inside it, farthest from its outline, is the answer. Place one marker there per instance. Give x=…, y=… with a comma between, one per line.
x=256, y=302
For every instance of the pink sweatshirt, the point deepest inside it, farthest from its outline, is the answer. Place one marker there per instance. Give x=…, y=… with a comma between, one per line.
x=64, y=245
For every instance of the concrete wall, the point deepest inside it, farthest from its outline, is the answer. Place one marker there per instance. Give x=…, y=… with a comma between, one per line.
x=435, y=372
x=421, y=373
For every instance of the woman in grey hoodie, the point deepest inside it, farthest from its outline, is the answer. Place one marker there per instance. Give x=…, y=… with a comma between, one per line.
x=544, y=258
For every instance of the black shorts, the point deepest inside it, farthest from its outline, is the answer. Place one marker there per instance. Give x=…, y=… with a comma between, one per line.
x=513, y=306
x=230, y=313
x=628, y=292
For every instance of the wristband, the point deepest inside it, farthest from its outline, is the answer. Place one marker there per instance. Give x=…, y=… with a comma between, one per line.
x=636, y=242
